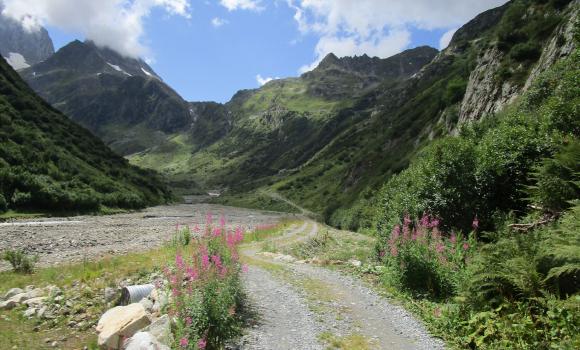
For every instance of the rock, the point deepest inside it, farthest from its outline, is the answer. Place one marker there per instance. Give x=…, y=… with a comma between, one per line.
x=30, y=312
x=144, y=341
x=54, y=344
x=8, y=304
x=161, y=300
x=35, y=301
x=41, y=312
x=161, y=329
x=355, y=263
x=53, y=291
x=110, y=294
x=12, y=292
x=147, y=304
x=120, y=321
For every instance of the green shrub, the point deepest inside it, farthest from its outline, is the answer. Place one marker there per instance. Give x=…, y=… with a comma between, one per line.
x=206, y=290
x=441, y=181
x=455, y=91
x=557, y=179
x=3, y=204
x=20, y=261
x=425, y=261
x=528, y=51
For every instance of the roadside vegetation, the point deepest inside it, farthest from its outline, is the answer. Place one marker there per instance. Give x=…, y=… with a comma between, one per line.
x=494, y=263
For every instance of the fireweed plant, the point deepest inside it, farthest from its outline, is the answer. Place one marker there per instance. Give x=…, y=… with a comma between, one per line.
x=424, y=260
x=205, y=289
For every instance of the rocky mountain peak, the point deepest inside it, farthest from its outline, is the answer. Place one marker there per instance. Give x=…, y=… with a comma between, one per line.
x=88, y=58
x=20, y=47
x=400, y=65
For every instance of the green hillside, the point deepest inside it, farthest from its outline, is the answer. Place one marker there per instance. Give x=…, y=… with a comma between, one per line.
x=49, y=163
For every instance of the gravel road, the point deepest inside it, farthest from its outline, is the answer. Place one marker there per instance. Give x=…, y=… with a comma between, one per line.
x=305, y=301
x=58, y=240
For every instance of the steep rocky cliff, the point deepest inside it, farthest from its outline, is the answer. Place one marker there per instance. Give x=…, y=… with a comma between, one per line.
x=20, y=47
x=511, y=62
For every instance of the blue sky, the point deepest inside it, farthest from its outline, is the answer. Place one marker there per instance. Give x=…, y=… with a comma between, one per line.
x=208, y=50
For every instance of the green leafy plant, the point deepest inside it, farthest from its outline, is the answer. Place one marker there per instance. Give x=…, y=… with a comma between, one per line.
x=425, y=261
x=20, y=261
x=206, y=292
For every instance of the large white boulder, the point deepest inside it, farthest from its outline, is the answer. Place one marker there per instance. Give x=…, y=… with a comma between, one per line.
x=121, y=322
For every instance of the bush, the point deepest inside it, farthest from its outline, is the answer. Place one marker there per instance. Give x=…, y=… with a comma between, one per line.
x=20, y=261
x=206, y=290
x=455, y=91
x=557, y=179
x=441, y=181
x=3, y=204
x=423, y=260
x=525, y=52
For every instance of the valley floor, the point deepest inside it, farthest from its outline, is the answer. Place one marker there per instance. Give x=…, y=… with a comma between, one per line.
x=292, y=304
x=74, y=239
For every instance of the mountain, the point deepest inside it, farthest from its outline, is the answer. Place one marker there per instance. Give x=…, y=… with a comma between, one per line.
x=327, y=140
x=120, y=99
x=311, y=141
x=20, y=47
x=47, y=162
x=280, y=126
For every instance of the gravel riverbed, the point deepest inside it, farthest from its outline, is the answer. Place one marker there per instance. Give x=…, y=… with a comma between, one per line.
x=73, y=239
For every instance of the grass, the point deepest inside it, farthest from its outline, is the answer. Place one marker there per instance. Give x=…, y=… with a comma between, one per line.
x=97, y=275
x=333, y=245
x=350, y=342
x=105, y=271
x=14, y=214
x=17, y=332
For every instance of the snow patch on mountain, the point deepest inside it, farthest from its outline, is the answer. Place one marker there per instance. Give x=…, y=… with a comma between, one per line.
x=16, y=60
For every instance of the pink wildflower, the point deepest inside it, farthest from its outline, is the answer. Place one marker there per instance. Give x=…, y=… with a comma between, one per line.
x=396, y=232
x=183, y=342
x=179, y=261
x=191, y=273
x=453, y=238
x=217, y=261
x=188, y=321
x=424, y=220
x=209, y=218
x=394, y=251
x=407, y=220
x=434, y=223
x=245, y=268
x=201, y=344
x=475, y=223
x=382, y=253
x=222, y=221
x=440, y=248
x=217, y=231
x=465, y=246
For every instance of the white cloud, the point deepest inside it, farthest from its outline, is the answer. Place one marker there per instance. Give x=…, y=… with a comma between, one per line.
x=232, y=5
x=263, y=81
x=446, y=38
x=378, y=27
x=117, y=24
x=218, y=22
